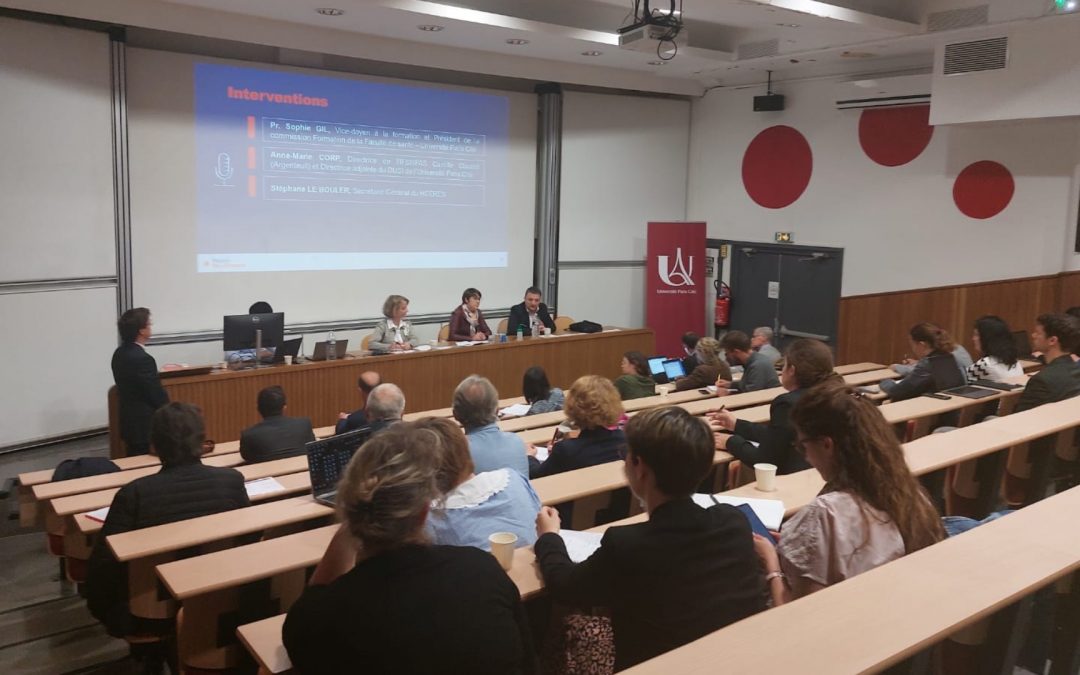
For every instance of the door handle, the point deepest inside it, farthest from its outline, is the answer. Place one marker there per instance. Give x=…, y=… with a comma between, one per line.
x=787, y=332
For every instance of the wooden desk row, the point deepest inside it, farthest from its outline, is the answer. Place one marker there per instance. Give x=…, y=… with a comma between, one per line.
x=263, y=638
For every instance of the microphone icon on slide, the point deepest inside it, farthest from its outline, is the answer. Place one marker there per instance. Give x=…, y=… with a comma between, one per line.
x=223, y=170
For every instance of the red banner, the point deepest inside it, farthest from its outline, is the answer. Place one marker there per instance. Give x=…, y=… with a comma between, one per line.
x=675, y=274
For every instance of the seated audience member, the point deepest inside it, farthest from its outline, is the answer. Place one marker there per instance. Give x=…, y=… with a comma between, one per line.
x=689, y=345
x=538, y=392
x=710, y=367
x=474, y=505
x=1057, y=336
x=384, y=600
x=807, y=364
x=635, y=382
x=935, y=370
x=367, y=381
x=530, y=315
x=393, y=333
x=385, y=405
x=759, y=371
x=277, y=436
x=467, y=321
x=594, y=407
x=183, y=488
x=871, y=511
x=1074, y=312
x=761, y=342
x=680, y=575
x=963, y=358
x=476, y=407
x=993, y=339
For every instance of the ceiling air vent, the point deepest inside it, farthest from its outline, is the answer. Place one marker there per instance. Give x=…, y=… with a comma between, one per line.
x=953, y=19
x=756, y=50
x=972, y=57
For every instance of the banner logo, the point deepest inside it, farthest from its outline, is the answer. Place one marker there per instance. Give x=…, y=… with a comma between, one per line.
x=677, y=275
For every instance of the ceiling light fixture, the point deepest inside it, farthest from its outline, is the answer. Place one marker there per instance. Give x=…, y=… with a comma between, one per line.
x=788, y=25
x=430, y=28
x=517, y=41
x=591, y=52
x=330, y=11
x=657, y=63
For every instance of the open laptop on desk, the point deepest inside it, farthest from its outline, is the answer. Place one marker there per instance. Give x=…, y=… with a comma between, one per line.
x=673, y=369
x=327, y=460
x=339, y=351
x=656, y=369
x=287, y=348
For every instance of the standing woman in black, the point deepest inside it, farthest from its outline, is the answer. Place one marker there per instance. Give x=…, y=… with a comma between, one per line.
x=806, y=364
x=138, y=386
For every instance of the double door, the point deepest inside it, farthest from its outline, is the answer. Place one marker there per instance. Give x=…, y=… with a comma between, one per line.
x=795, y=290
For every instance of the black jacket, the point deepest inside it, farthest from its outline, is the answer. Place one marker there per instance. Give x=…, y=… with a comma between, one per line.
x=591, y=447
x=519, y=316
x=276, y=437
x=139, y=392
x=414, y=609
x=172, y=494
x=776, y=440
x=937, y=372
x=356, y=420
x=1059, y=380
x=683, y=574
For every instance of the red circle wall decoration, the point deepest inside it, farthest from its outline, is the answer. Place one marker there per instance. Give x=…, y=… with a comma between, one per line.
x=776, y=167
x=983, y=189
x=895, y=136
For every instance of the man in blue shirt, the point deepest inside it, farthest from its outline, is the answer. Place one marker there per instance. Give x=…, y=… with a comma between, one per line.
x=476, y=405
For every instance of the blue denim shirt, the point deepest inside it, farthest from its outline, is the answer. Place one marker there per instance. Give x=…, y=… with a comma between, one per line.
x=492, y=448
x=511, y=509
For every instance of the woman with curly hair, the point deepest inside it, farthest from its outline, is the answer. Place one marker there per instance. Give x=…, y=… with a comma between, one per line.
x=871, y=511
x=593, y=406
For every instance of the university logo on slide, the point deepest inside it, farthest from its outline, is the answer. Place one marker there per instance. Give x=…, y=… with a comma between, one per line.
x=677, y=275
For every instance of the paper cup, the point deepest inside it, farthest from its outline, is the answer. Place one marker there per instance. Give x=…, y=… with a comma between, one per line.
x=288, y=359
x=222, y=365
x=547, y=331
x=765, y=474
x=502, y=547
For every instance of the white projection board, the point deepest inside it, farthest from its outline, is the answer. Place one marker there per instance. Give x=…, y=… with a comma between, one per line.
x=322, y=192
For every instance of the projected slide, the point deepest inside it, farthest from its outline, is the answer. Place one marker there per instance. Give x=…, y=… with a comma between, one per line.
x=296, y=172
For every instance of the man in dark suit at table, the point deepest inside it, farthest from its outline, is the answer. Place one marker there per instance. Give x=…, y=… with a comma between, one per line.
x=138, y=386
x=277, y=436
x=528, y=314
x=369, y=379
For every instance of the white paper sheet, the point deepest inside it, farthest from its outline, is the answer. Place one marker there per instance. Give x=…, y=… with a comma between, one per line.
x=769, y=511
x=516, y=410
x=542, y=453
x=262, y=486
x=580, y=545
x=99, y=515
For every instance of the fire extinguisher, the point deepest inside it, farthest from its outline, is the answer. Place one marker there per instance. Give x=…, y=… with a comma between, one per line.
x=722, y=313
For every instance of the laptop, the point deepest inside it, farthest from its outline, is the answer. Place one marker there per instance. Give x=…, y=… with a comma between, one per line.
x=656, y=368
x=327, y=460
x=287, y=348
x=673, y=369
x=967, y=391
x=339, y=351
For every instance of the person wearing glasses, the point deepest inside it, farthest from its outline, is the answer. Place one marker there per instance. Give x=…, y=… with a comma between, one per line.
x=872, y=509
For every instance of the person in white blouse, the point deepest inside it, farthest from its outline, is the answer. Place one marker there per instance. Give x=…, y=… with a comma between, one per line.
x=1000, y=360
x=394, y=333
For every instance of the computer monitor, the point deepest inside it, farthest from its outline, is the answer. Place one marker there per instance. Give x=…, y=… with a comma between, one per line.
x=656, y=364
x=239, y=330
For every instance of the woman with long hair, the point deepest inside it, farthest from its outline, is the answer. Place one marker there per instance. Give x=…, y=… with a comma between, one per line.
x=871, y=511
x=635, y=381
x=1000, y=358
x=807, y=363
x=936, y=369
x=538, y=392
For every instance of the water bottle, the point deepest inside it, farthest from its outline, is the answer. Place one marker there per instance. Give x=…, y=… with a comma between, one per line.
x=331, y=347
x=520, y=332
x=536, y=329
